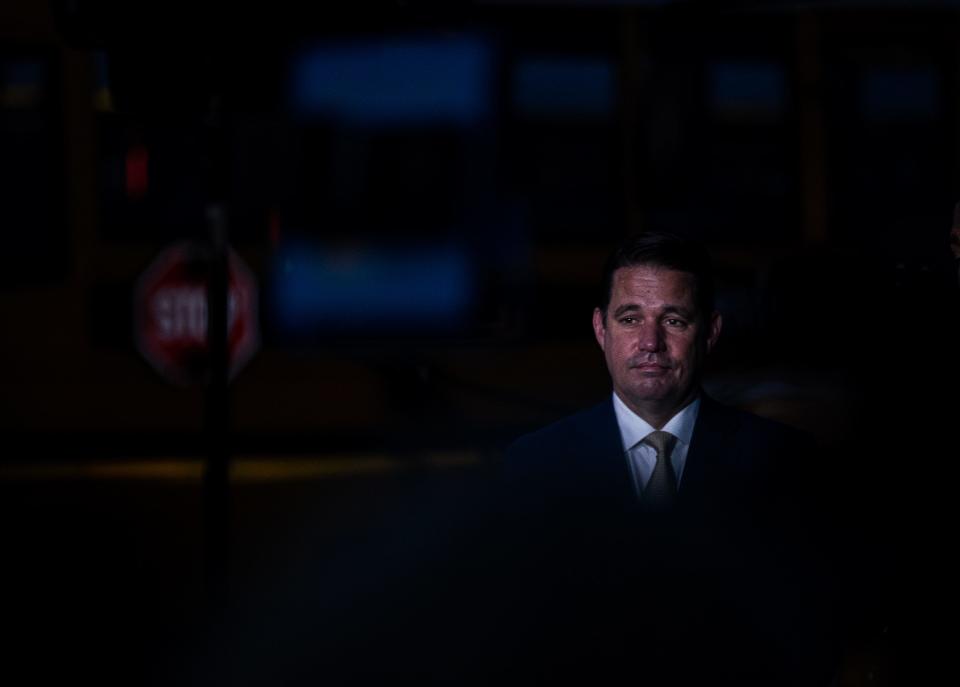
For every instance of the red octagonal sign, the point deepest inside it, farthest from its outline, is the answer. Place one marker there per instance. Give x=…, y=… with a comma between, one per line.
x=170, y=313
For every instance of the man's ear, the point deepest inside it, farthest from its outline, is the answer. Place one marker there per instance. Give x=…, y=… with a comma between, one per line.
x=599, y=327
x=713, y=332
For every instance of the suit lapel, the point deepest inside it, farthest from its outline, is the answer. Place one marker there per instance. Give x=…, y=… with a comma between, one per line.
x=610, y=473
x=710, y=450
x=705, y=473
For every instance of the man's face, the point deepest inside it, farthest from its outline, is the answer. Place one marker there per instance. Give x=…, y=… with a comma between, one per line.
x=654, y=339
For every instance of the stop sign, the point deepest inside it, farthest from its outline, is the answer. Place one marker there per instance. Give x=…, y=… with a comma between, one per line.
x=170, y=313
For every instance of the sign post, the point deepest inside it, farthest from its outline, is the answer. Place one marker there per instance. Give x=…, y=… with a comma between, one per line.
x=196, y=321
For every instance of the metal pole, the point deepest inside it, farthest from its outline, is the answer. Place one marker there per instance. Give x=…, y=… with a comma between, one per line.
x=216, y=476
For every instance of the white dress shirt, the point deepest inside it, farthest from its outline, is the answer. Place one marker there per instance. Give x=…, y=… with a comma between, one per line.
x=641, y=457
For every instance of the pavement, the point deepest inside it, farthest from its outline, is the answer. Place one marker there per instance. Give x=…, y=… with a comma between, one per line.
x=103, y=561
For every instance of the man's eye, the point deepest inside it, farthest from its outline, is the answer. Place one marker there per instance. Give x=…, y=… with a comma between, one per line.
x=674, y=322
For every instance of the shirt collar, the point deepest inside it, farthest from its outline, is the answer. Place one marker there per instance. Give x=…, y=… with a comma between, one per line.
x=634, y=429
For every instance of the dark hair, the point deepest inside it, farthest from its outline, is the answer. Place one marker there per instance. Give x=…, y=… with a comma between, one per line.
x=670, y=251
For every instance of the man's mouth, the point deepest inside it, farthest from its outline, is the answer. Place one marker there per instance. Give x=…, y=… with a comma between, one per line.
x=649, y=366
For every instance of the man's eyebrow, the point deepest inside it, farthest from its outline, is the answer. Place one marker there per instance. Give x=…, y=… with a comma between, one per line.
x=667, y=310
x=676, y=309
x=625, y=308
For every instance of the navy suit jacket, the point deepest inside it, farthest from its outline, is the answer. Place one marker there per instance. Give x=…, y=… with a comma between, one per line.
x=736, y=461
x=728, y=586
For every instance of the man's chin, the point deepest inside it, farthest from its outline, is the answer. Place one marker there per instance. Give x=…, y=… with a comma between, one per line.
x=652, y=397
x=657, y=398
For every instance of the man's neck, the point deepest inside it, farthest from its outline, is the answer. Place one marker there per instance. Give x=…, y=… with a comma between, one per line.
x=659, y=414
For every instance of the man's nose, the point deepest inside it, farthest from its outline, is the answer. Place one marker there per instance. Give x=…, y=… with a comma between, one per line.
x=650, y=337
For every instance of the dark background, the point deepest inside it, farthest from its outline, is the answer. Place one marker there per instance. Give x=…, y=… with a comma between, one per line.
x=502, y=147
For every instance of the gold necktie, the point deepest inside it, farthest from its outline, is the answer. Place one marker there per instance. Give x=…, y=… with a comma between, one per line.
x=661, y=489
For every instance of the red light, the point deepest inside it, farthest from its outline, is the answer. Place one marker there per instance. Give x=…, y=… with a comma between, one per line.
x=274, y=228
x=138, y=163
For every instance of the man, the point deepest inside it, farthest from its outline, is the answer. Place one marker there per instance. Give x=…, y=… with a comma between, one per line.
x=661, y=532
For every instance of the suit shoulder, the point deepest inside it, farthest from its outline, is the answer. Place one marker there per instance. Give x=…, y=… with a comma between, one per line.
x=776, y=429
x=760, y=428
x=557, y=460
x=567, y=450
x=565, y=434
